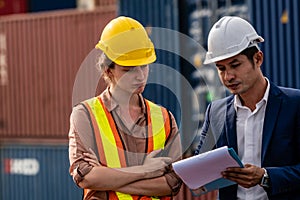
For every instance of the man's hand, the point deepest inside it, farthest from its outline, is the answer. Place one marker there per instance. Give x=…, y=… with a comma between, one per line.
x=246, y=177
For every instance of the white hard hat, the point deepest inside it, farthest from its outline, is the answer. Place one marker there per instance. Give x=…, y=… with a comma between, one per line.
x=228, y=37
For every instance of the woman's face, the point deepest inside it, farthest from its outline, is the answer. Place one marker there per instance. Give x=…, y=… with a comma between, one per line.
x=130, y=79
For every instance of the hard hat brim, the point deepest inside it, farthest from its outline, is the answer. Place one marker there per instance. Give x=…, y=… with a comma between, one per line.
x=136, y=62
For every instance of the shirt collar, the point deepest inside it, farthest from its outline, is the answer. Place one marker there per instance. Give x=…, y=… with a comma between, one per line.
x=111, y=104
x=238, y=103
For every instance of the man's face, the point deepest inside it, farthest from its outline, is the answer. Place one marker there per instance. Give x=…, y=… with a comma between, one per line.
x=130, y=79
x=238, y=74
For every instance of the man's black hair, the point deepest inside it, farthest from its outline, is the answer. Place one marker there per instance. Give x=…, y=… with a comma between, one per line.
x=249, y=52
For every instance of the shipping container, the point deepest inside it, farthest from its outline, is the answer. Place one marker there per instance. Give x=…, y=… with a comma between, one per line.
x=35, y=172
x=160, y=14
x=197, y=18
x=105, y=2
x=167, y=84
x=41, y=55
x=278, y=23
x=92, y=4
x=13, y=6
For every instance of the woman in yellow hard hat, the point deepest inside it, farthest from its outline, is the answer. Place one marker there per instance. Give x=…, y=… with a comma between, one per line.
x=121, y=144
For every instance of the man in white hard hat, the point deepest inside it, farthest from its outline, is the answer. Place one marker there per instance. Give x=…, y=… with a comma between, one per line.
x=260, y=120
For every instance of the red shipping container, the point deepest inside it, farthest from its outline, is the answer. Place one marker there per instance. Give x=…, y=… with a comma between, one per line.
x=105, y=2
x=40, y=55
x=13, y=6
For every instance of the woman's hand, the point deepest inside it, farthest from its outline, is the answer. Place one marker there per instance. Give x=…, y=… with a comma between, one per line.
x=152, y=167
x=156, y=166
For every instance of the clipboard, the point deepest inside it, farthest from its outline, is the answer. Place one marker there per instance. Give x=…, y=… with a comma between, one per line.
x=204, y=170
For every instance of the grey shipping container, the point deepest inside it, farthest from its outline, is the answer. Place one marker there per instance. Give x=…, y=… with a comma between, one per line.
x=35, y=172
x=278, y=23
x=40, y=56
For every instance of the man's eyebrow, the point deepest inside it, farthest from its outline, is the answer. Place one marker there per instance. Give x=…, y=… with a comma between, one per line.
x=233, y=61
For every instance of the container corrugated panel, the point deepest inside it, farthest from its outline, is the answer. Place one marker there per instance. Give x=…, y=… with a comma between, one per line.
x=161, y=14
x=202, y=14
x=40, y=55
x=278, y=23
x=35, y=172
x=13, y=6
x=105, y=2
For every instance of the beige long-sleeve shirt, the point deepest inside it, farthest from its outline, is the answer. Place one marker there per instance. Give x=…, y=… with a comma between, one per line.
x=81, y=138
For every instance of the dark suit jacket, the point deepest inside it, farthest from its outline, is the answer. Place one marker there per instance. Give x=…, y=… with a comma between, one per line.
x=280, y=142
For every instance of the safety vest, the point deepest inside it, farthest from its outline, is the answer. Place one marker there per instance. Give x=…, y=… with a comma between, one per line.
x=110, y=145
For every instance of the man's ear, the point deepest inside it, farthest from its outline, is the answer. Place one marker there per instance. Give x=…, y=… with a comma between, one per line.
x=258, y=58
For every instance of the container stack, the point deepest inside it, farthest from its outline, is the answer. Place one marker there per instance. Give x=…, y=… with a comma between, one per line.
x=41, y=55
x=47, y=65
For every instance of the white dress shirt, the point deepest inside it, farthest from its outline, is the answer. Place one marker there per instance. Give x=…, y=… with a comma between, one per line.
x=249, y=127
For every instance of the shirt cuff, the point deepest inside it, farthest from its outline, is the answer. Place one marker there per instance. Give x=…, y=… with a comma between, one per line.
x=174, y=182
x=80, y=171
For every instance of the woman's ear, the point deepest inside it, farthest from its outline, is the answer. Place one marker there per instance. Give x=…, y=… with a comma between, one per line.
x=109, y=74
x=108, y=71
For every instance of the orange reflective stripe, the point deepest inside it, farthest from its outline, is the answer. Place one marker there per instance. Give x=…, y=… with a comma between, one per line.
x=150, y=136
x=112, y=196
x=112, y=150
x=96, y=131
x=167, y=122
x=117, y=137
x=158, y=119
x=88, y=192
x=85, y=191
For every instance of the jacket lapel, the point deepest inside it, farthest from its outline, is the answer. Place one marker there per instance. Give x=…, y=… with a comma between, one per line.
x=272, y=109
x=231, y=125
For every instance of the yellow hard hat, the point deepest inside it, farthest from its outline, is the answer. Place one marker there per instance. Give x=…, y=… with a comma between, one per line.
x=126, y=42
